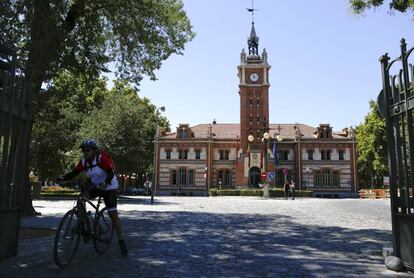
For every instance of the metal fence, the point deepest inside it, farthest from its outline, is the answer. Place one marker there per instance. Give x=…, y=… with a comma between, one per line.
x=14, y=126
x=14, y=118
x=396, y=103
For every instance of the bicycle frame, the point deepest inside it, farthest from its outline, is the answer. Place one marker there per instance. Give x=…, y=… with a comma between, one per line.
x=81, y=207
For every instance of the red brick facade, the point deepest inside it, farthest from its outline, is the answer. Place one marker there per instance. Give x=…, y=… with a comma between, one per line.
x=315, y=158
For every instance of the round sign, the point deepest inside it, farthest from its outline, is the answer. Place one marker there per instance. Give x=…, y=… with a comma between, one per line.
x=263, y=175
x=285, y=171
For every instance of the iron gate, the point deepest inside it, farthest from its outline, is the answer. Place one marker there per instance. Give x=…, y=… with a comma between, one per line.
x=396, y=103
x=14, y=119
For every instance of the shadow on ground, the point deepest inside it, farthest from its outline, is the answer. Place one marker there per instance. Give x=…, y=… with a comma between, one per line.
x=194, y=244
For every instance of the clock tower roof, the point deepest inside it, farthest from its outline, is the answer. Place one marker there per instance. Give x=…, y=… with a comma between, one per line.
x=253, y=43
x=253, y=36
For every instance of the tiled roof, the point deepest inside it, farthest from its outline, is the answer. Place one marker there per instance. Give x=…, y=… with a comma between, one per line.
x=230, y=131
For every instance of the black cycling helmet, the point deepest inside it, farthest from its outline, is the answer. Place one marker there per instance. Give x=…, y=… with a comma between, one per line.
x=89, y=143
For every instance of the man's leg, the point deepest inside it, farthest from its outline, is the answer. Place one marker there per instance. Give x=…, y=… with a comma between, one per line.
x=111, y=203
x=116, y=224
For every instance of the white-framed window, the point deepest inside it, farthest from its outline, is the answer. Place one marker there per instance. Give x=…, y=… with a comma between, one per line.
x=182, y=176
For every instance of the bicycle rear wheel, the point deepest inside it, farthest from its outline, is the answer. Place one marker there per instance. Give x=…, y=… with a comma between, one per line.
x=67, y=239
x=103, y=232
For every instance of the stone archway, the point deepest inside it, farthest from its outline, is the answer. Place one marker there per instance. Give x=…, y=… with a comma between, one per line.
x=254, y=176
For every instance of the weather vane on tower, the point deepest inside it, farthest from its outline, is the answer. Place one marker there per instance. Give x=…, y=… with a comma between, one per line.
x=253, y=40
x=251, y=10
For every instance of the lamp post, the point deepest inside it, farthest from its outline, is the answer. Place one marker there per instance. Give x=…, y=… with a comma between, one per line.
x=266, y=137
x=206, y=180
x=279, y=138
x=307, y=173
x=250, y=138
x=155, y=164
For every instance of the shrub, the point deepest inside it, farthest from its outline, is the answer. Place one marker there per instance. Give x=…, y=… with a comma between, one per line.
x=274, y=192
x=213, y=192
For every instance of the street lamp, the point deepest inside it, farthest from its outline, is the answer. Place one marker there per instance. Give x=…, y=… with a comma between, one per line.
x=206, y=180
x=250, y=138
x=279, y=138
x=265, y=139
x=154, y=174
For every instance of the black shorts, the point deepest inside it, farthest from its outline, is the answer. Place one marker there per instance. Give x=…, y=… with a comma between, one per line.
x=109, y=197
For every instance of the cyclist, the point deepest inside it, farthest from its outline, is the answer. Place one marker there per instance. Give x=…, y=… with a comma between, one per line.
x=99, y=169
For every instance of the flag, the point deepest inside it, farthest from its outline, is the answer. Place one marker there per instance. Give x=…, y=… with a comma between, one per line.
x=275, y=153
x=248, y=154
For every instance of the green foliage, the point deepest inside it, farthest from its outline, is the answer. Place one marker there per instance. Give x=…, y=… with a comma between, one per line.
x=371, y=148
x=359, y=6
x=58, y=113
x=278, y=192
x=86, y=36
x=74, y=107
x=126, y=126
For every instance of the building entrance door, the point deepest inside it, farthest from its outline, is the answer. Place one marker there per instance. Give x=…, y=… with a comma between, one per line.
x=254, y=176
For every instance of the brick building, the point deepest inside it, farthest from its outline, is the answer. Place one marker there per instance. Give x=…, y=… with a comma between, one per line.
x=197, y=158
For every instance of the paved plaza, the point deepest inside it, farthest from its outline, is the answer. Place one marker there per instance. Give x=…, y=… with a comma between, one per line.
x=223, y=237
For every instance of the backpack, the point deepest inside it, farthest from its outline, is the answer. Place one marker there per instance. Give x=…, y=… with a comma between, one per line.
x=106, y=154
x=87, y=165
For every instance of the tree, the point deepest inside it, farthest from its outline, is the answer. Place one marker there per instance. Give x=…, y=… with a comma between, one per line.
x=359, y=6
x=126, y=126
x=372, y=148
x=86, y=37
x=59, y=112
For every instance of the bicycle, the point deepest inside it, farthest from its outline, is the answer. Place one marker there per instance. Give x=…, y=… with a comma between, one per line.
x=78, y=222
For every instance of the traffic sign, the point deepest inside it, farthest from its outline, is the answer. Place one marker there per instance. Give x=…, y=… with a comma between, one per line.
x=285, y=171
x=263, y=175
x=270, y=175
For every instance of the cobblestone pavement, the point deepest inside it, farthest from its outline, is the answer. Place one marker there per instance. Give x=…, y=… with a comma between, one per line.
x=223, y=237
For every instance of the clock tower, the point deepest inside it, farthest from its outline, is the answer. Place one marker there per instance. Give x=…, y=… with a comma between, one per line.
x=253, y=73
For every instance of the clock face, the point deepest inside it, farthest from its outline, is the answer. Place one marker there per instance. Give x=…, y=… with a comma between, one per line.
x=254, y=77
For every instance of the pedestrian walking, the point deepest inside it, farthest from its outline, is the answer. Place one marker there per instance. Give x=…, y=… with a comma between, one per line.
x=292, y=189
x=286, y=189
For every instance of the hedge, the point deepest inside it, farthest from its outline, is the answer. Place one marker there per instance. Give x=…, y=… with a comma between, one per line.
x=275, y=192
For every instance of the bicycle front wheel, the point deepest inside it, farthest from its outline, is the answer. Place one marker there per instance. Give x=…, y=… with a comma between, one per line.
x=103, y=231
x=67, y=239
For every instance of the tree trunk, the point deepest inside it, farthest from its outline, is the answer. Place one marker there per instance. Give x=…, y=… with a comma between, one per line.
x=43, y=51
x=46, y=42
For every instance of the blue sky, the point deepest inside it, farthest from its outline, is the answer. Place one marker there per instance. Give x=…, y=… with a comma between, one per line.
x=324, y=61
